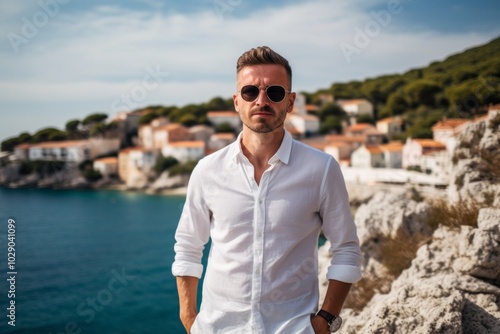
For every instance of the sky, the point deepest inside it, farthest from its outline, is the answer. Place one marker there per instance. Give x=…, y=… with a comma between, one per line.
x=62, y=60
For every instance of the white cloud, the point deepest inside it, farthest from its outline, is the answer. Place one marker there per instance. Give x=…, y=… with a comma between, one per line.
x=91, y=58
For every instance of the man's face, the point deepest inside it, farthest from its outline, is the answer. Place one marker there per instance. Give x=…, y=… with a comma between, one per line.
x=263, y=115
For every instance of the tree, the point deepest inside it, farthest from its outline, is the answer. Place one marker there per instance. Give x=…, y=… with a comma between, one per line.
x=364, y=118
x=49, y=134
x=92, y=175
x=396, y=105
x=421, y=92
x=10, y=143
x=218, y=103
x=331, y=109
x=330, y=124
x=224, y=127
x=72, y=126
x=94, y=118
x=164, y=163
x=147, y=118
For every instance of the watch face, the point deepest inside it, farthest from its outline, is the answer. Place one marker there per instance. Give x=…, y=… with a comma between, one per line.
x=335, y=324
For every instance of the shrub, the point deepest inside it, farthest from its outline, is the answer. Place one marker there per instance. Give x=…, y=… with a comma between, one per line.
x=363, y=291
x=397, y=253
x=453, y=214
x=92, y=175
x=164, y=163
x=183, y=169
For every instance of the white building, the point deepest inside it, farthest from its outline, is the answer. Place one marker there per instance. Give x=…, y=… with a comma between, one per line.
x=220, y=140
x=339, y=150
x=201, y=132
x=390, y=126
x=393, y=154
x=414, y=149
x=146, y=132
x=221, y=117
x=447, y=131
x=68, y=150
x=356, y=107
x=305, y=124
x=448, y=128
x=136, y=166
x=107, y=166
x=185, y=151
x=368, y=157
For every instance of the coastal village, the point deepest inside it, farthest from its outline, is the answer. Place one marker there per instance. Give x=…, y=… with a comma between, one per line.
x=126, y=157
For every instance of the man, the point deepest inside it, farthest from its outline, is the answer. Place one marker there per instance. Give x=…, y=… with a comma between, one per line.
x=263, y=201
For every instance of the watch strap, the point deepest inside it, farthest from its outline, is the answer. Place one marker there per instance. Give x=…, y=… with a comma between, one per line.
x=326, y=315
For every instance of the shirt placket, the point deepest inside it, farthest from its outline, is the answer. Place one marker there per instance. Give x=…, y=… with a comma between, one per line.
x=259, y=194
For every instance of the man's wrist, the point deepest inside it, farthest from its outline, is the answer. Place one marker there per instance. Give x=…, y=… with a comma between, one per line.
x=333, y=321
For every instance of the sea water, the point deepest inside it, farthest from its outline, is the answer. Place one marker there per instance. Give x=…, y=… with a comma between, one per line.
x=88, y=262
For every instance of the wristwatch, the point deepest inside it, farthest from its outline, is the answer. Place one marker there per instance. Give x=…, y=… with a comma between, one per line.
x=334, y=321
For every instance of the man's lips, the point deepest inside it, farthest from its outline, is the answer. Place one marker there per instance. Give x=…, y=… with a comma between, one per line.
x=263, y=112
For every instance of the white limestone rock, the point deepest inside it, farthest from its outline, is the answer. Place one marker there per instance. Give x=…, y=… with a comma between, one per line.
x=451, y=287
x=474, y=171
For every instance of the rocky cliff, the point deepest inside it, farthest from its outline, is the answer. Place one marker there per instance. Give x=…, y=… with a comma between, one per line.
x=423, y=274
x=475, y=172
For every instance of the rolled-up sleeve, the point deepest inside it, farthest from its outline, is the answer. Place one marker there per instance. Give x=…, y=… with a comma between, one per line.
x=193, y=230
x=339, y=227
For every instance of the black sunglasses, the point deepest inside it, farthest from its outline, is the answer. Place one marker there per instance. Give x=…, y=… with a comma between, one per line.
x=274, y=93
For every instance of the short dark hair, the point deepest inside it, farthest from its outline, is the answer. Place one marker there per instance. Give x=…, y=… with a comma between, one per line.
x=263, y=55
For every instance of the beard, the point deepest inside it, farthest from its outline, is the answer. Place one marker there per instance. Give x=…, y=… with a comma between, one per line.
x=265, y=124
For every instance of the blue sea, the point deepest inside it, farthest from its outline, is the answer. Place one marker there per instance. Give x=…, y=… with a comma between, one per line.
x=89, y=262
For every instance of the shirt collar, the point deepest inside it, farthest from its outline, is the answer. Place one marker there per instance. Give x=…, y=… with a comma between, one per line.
x=282, y=154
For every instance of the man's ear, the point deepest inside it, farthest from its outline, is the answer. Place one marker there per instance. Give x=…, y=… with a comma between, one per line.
x=291, y=101
x=235, y=102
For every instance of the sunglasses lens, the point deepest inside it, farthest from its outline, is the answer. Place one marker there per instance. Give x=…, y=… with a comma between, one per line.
x=249, y=93
x=276, y=93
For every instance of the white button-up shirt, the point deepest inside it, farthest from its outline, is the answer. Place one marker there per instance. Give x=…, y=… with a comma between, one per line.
x=262, y=271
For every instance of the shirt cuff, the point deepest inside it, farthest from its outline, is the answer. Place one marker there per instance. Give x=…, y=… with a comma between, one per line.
x=187, y=269
x=344, y=273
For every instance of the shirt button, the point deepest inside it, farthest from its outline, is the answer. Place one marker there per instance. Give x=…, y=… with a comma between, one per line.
x=256, y=306
x=257, y=271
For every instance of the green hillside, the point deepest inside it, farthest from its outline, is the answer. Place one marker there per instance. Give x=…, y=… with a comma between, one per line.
x=459, y=86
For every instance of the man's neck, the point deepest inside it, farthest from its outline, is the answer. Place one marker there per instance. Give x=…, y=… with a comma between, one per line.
x=260, y=147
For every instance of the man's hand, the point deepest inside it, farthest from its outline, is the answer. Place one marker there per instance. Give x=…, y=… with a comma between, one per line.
x=319, y=325
x=187, y=320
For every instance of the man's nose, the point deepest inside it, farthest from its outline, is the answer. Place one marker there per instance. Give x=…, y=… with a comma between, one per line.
x=262, y=98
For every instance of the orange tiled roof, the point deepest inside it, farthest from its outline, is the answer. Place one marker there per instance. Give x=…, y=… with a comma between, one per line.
x=346, y=139
x=359, y=127
x=430, y=143
x=337, y=144
x=226, y=135
x=390, y=120
x=312, y=107
x=352, y=101
x=374, y=149
x=136, y=148
x=392, y=146
x=225, y=113
x=22, y=146
x=481, y=118
x=494, y=107
x=188, y=143
x=61, y=144
x=170, y=127
x=108, y=160
x=449, y=123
